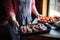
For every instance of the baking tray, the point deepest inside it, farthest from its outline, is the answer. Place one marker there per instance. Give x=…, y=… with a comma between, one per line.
x=36, y=33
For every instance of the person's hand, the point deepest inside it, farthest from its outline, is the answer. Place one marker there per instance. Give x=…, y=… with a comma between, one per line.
x=40, y=17
x=15, y=23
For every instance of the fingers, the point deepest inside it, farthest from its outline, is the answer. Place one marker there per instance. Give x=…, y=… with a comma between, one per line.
x=40, y=17
x=15, y=23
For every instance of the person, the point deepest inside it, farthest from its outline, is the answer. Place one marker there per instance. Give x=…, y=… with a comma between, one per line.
x=19, y=12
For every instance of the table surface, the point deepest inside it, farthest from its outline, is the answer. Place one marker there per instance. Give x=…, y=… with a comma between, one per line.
x=52, y=33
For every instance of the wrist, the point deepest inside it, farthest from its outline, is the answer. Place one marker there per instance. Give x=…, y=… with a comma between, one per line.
x=37, y=15
x=13, y=18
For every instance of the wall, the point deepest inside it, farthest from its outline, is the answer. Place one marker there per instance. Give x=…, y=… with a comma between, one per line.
x=44, y=8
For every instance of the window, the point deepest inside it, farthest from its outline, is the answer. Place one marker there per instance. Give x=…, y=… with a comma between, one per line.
x=54, y=8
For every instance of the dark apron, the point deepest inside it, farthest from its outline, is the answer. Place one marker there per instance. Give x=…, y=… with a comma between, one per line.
x=24, y=14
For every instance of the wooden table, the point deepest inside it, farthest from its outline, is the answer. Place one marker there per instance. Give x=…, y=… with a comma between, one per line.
x=52, y=35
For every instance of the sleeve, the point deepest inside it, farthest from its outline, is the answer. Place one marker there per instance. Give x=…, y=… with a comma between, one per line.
x=33, y=4
x=9, y=8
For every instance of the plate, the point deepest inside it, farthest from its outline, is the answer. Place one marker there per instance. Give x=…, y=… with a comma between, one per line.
x=46, y=22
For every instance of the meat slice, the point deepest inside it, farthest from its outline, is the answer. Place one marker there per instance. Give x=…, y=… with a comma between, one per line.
x=29, y=29
x=23, y=29
x=35, y=28
x=42, y=27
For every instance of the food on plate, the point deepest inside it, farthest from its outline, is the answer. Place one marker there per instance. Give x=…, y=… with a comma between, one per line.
x=29, y=30
x=42, y=27
x=37, y=27
x=47, y=19
x=23, y=29
x=34, y=28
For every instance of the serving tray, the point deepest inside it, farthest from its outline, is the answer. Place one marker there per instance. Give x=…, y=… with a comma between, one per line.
x=35, y=32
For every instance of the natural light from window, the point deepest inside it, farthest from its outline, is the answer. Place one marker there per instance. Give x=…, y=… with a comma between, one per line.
x=54, y=8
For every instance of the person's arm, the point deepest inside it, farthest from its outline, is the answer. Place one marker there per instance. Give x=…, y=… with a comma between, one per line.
x=34, y=10
x=10, y=11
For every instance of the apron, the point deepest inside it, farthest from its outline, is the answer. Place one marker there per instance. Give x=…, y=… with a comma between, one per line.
x=24, y=14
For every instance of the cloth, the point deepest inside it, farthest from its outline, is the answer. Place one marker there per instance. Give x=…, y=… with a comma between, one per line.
x=24, y=14
x=12, y=33
x=12, y=6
